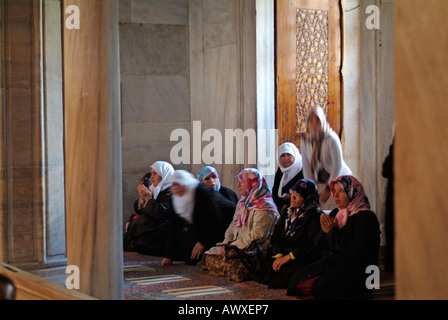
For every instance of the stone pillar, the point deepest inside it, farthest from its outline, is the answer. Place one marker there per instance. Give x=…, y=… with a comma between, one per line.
x=30, y=226
x=93, y=148
x=421, y=155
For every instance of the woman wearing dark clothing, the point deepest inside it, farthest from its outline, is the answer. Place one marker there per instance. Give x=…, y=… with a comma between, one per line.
x=349, y=240
x=288, y=173
x=388, y=173
x=146, y=233
x=196, y=221
x=209, y=176
x=292, y=245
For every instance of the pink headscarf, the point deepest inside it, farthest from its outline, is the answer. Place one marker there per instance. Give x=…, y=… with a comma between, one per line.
x=357, y=199
x=258, y=196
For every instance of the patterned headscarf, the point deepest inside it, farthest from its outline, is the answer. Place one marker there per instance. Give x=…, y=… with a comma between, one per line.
x=205, y=172
x=357, y=199
x=258, y=196
x=309, y=191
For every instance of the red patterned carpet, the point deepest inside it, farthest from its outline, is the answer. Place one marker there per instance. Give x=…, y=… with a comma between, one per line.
x=146, y=279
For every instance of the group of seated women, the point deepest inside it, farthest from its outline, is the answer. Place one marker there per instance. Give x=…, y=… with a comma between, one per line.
x=281, y=238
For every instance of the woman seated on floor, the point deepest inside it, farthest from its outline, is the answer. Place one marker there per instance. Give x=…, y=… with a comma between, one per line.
x=350, y=240
x=209, y=176
x=196, y=221
x=288, y=173
x=292, y=243
x=146, y=234
x=247, y=237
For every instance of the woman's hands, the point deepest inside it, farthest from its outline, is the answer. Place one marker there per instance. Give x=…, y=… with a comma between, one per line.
x=198, y=249
x=144, y=194
x=280, y=261
x=167, y=262
x=327, y=223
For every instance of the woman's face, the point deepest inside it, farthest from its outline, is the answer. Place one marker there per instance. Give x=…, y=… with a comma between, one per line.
x=296, y=200
x=211, y=180
x=314, y=125
x=241, y=188
x=178, y=189
x=286, y=160
x=339, y=196
x=155, y=178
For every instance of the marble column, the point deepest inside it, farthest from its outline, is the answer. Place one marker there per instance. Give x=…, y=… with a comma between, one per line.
x=31, y=237
x=421, y=146
x=93, y=148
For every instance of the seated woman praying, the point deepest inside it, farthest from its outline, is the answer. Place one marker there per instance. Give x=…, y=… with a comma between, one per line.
x=195, y=220
x=288, y=173
x=292, y=243
x=349, y=242
x=249, y=233
x=227, y=198
x=209, y=176
x=146, y=234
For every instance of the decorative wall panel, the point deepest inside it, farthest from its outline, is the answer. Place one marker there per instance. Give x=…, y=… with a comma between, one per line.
x=312, y=78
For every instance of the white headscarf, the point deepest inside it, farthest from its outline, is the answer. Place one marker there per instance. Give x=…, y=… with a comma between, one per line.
x=184, y=205
x=290, y=172
x=164, y=170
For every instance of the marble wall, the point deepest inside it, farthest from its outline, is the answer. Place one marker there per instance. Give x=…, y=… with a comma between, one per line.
x=23, y=218
x=368, y=96
x=32, y=186
x=155, y=85
x=184, y=61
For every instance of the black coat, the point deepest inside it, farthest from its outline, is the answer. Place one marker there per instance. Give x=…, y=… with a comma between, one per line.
x=346, y=253
x=388, y=173
x=147, y=233
x=283, y=203
x=227, y=203
x=300, y=243
x=208, y=225
x=229, y=194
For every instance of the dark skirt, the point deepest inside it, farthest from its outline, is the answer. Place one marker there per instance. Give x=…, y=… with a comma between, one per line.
x=330, y=283
x=148, y=241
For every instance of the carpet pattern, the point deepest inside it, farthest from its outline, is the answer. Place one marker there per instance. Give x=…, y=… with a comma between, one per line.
x=146, y=279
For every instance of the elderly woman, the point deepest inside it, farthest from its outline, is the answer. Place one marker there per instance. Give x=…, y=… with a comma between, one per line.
x=209, y=176
x=292, y=243
x=227, y=199
x=350, y=240
x=254, y=221
x=322, y=155
x=196, y=219
x=288, y=173
x=146, y=234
